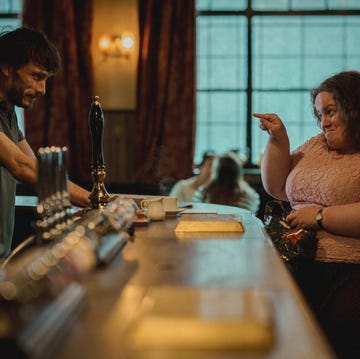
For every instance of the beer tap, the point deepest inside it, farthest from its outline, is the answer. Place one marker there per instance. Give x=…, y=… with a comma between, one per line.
x=99, y=197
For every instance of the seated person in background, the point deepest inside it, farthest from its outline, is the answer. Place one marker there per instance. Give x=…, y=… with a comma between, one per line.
x=321, y=180
x=227, y=185
x=27, y=60
x=184, y=189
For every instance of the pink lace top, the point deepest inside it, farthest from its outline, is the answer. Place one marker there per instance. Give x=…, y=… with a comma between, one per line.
x=326, y=178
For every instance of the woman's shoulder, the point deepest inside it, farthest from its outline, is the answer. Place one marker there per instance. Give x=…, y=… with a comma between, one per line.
x=314, y=146
x=315, y=142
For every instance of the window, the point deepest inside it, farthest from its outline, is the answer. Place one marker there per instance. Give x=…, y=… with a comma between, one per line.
x=10, y=11
x=267, y=58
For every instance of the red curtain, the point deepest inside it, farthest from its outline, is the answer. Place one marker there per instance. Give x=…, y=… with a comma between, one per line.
x=60, y=118
x=165, y=121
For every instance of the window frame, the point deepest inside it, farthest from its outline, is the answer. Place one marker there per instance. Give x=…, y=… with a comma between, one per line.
x=249, y=13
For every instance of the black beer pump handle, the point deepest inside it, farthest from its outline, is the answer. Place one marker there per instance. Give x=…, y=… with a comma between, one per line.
x=96, y=124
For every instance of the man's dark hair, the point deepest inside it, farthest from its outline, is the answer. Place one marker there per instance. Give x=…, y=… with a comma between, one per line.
x=23, y=45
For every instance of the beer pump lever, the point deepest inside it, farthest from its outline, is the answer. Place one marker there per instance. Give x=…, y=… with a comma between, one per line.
x=99, y=197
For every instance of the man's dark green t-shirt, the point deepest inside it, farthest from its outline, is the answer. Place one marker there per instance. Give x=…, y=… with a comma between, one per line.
x=9, y=126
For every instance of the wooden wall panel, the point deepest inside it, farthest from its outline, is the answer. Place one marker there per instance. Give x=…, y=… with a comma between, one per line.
x=119, y=145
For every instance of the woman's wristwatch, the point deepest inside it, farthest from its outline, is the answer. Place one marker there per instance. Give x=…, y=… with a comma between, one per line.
x=319, y=218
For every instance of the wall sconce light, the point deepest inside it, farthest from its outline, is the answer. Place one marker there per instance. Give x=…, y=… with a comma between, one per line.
x=117, y=45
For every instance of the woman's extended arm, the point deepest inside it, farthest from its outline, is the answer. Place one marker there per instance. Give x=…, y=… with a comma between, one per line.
x=275, y=166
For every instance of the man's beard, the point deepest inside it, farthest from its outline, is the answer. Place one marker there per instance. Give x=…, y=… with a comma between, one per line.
x=16, y=97
x=16, y=93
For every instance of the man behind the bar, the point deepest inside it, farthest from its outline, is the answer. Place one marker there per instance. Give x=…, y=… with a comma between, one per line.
x=27, y=60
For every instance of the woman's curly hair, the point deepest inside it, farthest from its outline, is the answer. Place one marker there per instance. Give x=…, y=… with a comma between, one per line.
x=345, y=88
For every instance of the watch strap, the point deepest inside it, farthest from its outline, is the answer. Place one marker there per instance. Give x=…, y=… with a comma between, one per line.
x=319, y=218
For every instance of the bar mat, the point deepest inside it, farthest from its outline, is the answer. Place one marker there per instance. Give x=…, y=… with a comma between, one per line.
x=209, y=222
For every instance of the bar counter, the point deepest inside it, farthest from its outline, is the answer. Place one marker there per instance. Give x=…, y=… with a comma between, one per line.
x=221, y=266
x=156, y=258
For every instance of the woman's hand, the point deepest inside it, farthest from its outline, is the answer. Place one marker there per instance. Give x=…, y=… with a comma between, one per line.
x=271, y=123
x=303, y=217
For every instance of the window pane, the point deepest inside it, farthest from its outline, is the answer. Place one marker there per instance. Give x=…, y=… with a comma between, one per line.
x=301, y=51
x=221, y=4
x=219, y=35
x=344, y=4
x=277, y=48
x=10, y=6
x=221, y=65
x=270, y=4
x=220, y=138
x=324, y=35
x=305, y=4
x=308, y=5
x=352, y=35
x=277, y=72
x=354, y=63
x=9, y=24
x=271, y=34
x=294, y=109
x=227, y=73
x=221, y=122
x=221, y=52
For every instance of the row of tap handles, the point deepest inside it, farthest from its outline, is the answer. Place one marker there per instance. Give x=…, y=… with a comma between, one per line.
x=54, y=208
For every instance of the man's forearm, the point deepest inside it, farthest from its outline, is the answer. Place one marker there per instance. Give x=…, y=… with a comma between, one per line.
x=78, y=195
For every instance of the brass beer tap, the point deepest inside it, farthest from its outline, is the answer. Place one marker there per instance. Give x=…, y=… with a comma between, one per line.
x=99, y=197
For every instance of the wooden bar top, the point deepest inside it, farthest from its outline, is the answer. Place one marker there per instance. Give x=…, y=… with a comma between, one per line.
x=199, y=273
x=156, y=260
